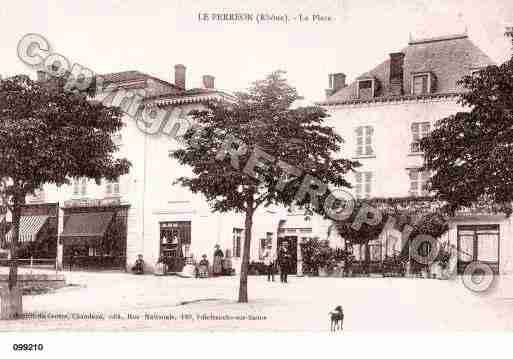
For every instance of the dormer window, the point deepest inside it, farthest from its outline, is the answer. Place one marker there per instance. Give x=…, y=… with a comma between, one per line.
x=365, y=88
x=422, y=83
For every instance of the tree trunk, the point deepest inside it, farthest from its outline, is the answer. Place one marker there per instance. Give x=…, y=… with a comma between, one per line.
x=243, y=286
x=12, y=305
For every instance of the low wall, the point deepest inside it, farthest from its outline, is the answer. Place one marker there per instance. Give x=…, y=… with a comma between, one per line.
x=36, y=281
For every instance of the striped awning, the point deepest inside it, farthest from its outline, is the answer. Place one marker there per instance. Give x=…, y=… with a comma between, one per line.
x=29, y=228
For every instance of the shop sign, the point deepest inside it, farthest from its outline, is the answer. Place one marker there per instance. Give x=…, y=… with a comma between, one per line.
x=103, y=202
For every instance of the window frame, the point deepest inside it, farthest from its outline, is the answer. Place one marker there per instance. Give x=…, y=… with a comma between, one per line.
x=428, y=84
x=237, y=236
x=373, y=87
x=364, y=141
x=422, y=178
x=363, y=184
x=112, y=188
x=418, y=135
x=479, y=229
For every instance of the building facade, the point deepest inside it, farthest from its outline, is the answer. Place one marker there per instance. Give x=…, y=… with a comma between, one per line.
x=107, y=225
x=383, y=114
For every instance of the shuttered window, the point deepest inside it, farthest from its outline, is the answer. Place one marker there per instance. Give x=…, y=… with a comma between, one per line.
x=418, y=182
x=363, y=187
x=364, y=140
x=419, y=130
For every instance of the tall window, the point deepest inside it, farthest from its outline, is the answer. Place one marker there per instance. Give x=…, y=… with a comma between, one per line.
x=364, y=141
x=363, y=186
x=421, y=84
x=80, y=187
x=419, y=130
x=112, y=188
x=418, y=182
x=238, y=234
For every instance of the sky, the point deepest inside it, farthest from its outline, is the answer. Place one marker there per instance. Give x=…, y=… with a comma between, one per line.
x=153, y=35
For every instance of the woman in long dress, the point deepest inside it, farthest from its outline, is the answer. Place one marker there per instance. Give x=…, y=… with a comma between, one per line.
x=217, y=265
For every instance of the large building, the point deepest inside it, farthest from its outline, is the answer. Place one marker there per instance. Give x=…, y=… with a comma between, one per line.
x=144, y=212
x=383, y=114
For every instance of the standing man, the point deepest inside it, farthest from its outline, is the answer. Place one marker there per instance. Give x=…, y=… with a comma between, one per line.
x=284, y=261
x=269, y=262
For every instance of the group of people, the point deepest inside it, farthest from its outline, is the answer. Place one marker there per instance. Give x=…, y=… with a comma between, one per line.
x=282, y=261
x=217, y=264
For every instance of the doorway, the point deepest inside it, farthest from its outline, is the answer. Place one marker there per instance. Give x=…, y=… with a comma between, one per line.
x=175, y=240
x=291, y=242
x=479, y=243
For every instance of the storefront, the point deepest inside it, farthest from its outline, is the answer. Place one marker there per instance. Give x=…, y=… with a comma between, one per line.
x=175, y=242
x=94, y=234
x=37, y=231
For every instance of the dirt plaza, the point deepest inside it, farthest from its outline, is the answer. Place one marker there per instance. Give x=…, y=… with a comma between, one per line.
x=120, y=301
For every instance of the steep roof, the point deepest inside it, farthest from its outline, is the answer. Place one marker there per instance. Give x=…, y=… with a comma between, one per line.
x=448, y=58
x=163, y=93
x=138, y=80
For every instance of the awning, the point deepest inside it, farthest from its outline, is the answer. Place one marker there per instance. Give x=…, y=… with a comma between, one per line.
x=29, y=228
x=86, y=226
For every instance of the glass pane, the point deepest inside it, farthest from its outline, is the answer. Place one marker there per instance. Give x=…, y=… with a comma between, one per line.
x=466, y=232
x=488, y=247
x=375, y=253
x=466, y=249
x=359, y=131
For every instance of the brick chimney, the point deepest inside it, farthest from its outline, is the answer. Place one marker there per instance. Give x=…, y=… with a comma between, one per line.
x=396, y=73
x=337, y=81
x=180, y=76
x=209, y=81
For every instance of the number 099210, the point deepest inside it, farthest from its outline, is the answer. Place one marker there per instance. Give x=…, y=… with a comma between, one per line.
x=27, y=347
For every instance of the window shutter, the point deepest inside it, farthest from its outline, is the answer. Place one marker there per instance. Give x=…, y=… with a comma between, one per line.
x=425, y=128
x=415, y=131
x=359, y=141
x=368, y=140
x=368, y=183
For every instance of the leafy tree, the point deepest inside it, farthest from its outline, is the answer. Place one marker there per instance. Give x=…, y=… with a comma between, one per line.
x=257, y=151
x=471, y=153
x=49, y=135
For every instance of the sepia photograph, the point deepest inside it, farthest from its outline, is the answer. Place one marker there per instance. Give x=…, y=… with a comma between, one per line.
x=334, y=167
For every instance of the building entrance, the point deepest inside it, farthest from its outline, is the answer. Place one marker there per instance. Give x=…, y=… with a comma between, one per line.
x=175, y=241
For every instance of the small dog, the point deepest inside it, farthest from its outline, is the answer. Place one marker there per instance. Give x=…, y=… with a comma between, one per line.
x=337, y=318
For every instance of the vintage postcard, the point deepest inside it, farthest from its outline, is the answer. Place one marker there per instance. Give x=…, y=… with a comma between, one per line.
x=222, y=166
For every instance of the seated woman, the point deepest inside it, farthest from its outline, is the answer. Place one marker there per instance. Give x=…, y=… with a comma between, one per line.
x=138, y=267
x=203, y=267
x=160, y=267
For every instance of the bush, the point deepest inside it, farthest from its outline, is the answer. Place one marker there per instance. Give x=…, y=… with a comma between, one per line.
x=256, y=268
x=318, y=254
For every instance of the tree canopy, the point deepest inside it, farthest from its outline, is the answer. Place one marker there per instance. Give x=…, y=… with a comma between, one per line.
x=259, y=150
x=471, y=153
x=50, y=135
